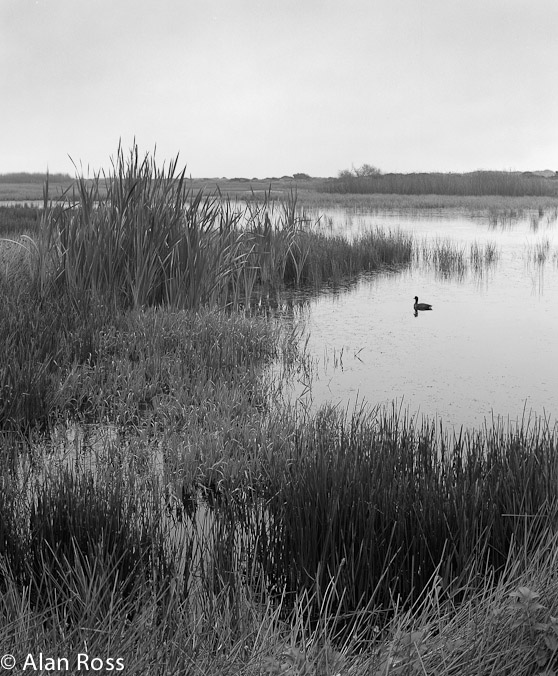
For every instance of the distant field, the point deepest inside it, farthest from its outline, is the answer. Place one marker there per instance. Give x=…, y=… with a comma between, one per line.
x=233, y=187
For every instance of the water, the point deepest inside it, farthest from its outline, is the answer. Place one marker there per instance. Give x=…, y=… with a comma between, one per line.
x=489, y=348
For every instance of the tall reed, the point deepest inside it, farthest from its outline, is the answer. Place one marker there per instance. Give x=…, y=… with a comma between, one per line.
x=141, y=238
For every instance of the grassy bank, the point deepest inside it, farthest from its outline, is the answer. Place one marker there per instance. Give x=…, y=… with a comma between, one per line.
x=159, y=506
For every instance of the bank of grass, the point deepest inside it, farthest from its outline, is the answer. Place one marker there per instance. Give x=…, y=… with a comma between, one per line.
x=211, y=531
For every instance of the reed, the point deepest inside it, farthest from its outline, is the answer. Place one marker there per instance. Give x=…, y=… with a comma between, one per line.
x=41, y=341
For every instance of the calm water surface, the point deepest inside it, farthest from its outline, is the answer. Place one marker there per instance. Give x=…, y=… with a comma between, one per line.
x=488, y=348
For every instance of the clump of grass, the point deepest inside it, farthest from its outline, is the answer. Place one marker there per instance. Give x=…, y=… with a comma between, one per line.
x=451, y=261
x=447, y=259
x=538, y=252
x=482, y=257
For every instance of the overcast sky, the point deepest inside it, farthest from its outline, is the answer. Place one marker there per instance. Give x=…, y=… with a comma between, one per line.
x=272, y=87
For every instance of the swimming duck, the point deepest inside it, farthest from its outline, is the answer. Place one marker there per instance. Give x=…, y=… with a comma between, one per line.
x=421, y=306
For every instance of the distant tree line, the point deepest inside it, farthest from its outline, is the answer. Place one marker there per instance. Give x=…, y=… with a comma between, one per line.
x=25, y=177
x=368, y=179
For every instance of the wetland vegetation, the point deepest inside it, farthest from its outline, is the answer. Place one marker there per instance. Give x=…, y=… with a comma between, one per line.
x=161, y=504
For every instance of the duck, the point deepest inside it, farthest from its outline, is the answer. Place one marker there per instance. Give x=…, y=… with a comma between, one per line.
x=421, y=306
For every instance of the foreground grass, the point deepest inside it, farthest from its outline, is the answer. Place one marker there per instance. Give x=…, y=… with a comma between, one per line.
x=502, y=628
x=97, y=562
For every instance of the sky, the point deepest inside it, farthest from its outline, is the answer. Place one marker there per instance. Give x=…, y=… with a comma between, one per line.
x=262, y=88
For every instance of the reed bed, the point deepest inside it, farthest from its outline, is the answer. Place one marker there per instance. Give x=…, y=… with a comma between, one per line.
x=326, y=259
x=141, y=237
x=473, y=183
x=501, y=629
x=142, y=240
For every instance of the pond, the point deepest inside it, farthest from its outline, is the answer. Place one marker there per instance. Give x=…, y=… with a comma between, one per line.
x=488, y=349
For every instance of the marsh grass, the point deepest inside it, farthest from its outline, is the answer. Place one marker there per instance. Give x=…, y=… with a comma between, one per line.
x=213, y=531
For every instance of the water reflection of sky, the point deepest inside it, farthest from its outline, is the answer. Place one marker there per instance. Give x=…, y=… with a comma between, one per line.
x=489, y=347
